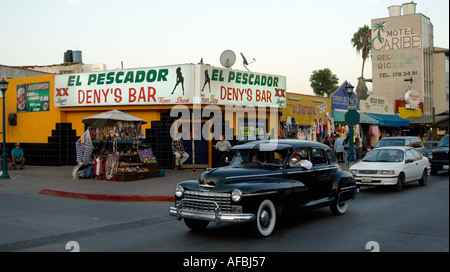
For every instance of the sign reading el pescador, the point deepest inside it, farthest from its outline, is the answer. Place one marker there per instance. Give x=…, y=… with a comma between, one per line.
x=161, y=85
x=170, y=85
x=233, y=87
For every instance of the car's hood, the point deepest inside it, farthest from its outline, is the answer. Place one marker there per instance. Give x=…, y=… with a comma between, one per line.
x=375, y=165
x=440, y=149
x=215, y=176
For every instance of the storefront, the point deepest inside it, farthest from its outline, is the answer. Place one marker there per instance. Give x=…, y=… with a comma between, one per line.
x=205, y=101
x=307, y=117
x=389, y=123
x=339, y=105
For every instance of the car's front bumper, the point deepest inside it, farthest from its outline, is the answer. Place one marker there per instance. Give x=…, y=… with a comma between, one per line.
x=217, y=215
x=376, y=180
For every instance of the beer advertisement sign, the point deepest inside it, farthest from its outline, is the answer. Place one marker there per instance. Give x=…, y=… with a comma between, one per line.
x=33, y=97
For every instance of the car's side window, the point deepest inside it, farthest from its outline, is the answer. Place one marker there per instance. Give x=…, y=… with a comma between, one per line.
x=416, y=143
x=417, y=155
x=331, y=157
x=407, y=142
x=410, y=155
x=317, y=156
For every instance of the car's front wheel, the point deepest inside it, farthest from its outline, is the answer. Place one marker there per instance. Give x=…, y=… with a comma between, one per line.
x=424, y=180
x=338, y=208
x=266, y=218
x=400, y=183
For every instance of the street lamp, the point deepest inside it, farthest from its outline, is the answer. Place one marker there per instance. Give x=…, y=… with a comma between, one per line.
x=3, y=88
x=351, y=118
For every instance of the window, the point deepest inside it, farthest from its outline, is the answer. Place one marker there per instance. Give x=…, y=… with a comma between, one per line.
x=417, y=155
x=416, y=143
x=317, y=156
x=410, y=155
x=331, y=157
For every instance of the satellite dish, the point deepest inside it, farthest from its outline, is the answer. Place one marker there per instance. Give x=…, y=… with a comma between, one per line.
x=227, y=58
x=245, y=62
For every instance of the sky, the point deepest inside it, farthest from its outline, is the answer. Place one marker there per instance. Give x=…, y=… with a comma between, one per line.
x=291, y=38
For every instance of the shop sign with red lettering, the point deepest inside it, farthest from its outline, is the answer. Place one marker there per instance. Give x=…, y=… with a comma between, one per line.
x=146, y=86
x=233, y=87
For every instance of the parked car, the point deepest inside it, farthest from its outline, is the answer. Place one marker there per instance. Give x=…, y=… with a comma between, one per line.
x=439, y=160
x=413, y=141
x=428, y=148
x=262, y=182
x=391, y=166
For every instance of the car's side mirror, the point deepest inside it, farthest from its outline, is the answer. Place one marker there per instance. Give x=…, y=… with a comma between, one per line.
x=409, y=160
x=293, y=162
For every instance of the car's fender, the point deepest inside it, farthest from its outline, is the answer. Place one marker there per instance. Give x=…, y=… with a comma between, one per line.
x=342, y=179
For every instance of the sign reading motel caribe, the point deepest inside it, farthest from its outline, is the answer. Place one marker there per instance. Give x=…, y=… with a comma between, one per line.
x=385, y=38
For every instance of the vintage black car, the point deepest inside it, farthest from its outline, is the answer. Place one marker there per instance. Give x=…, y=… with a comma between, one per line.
x=263, y=182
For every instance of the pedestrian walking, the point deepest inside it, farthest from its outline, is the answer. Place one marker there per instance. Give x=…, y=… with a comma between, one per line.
x=339, y=148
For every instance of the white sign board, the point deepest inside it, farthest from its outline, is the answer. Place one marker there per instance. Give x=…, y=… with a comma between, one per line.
x=144, y=86
x=234, y=87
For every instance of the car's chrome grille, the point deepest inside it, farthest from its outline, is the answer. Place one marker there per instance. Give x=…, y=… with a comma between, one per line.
x=222, y=199
x=368, y=172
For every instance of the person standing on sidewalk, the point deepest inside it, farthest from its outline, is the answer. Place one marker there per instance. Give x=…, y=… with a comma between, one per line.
x=339, y=148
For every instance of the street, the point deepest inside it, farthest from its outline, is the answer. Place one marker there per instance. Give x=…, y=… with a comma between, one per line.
x=413, y=220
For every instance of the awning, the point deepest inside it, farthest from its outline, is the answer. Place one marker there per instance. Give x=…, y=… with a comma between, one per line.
x=339, y=116
x=426, y=119
x=389, y=120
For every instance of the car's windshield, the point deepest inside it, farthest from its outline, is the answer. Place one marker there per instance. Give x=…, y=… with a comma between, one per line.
x=429, y=145
x=384, y=155
x=250, y=157
x=390, y=142
x=443, y=142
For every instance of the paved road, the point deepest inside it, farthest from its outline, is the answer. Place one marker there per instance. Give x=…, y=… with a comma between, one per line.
x=414, y=220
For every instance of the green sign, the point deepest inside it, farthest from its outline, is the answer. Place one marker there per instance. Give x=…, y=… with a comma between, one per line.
x=352, y=117
x=33, y=97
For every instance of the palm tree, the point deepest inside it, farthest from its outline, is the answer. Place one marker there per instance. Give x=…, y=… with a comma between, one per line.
x=362, y=42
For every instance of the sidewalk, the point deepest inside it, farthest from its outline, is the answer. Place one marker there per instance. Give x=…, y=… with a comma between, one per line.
x=57, y=181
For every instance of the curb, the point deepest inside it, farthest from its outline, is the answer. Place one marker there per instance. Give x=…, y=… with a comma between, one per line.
x=106, y=197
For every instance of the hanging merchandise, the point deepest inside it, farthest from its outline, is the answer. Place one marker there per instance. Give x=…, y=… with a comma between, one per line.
x=120, y=157
x=321, y=130
x=84, y=148
x=328, y=123
x=357, y=131
x=333, y=128
x=289, y=123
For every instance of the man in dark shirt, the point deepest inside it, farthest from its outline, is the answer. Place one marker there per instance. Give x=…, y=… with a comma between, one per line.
x=180, y=155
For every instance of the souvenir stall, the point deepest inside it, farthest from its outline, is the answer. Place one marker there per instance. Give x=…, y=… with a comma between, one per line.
x=118, y=154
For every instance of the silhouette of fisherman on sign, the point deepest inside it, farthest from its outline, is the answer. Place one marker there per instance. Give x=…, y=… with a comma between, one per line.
x=207, y=80
x=180, y=79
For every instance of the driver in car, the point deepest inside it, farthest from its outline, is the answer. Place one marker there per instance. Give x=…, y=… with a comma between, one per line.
x=301, y=162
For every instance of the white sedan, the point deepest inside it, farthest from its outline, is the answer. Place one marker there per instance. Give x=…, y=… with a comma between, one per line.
x=391, y=165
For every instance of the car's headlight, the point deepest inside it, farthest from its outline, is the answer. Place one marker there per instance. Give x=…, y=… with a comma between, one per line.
x=354, y=172
x=386, y=172
x=179, y=191
x=236, y=195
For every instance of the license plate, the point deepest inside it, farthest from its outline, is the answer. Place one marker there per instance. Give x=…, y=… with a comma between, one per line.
x=445, y=167
x=366, y=180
